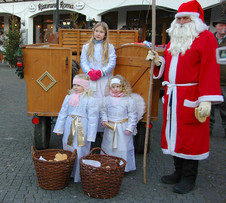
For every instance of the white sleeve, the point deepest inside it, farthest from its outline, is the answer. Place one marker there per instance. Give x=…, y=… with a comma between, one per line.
x=132, y=115
x=84, y=62
x=109, y=67
x=93, y=119
x=103, y=111
x=60, y=122
x=161, y=70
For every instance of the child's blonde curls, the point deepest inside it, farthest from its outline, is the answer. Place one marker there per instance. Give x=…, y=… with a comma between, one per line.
x=126, y=88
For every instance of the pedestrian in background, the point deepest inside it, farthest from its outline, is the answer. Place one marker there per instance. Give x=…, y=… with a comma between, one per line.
x=2, y=50
x=191, y=80
x=220, y=34
x=78, y=120
x=98, y=59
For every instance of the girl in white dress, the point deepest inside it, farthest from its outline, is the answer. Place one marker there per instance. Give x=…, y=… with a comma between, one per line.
x=119, y=110
x=98, y=60
x=78, y=120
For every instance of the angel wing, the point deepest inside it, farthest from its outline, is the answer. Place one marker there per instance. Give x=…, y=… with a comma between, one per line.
x=140, y=104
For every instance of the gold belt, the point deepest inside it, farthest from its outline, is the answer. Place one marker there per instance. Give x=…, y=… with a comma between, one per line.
x=76, y=122
x=115, y=143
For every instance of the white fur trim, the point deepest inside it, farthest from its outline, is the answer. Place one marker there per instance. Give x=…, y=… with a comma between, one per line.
x=192, y=104
x=183, y=14
x=214, y=99
x=210, y=98
x=162, y=68
x=186, y=156
x=171, y=123
x=115, y=81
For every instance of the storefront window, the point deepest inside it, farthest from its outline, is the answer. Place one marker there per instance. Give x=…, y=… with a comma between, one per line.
x=73, y=21
x=16, y=20
x=139, y=20
x=111, y=19
x=43, y=25
x=43, y=28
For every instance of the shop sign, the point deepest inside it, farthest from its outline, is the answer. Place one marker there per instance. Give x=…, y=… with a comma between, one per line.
x=32, y=8
x=63, y=5
x=79, y=5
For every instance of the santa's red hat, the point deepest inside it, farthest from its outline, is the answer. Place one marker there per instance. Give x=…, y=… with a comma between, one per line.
x=191, y=8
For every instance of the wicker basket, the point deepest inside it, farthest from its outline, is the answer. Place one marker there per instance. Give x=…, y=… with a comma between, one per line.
x=104, y=181
x=53, y=175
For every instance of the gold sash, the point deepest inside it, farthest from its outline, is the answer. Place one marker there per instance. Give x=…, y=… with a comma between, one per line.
x=76, y=122
x=115, y=140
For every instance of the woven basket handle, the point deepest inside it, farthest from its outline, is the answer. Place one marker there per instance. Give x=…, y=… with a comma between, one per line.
x=33, y=150
x=96, y=148
x=74, y=153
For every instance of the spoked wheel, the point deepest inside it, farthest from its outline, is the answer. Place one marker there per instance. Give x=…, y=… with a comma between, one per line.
x=139, y=139
x=41, y=133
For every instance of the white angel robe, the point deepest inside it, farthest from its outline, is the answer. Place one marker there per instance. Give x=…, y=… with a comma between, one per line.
x=117, y=109
x=88, y=112
x=98, y=86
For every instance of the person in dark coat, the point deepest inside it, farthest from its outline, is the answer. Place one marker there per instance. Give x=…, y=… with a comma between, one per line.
x=220, y=34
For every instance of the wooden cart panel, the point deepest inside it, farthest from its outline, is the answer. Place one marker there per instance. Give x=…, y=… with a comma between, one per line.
x=47, y=72
x=76, y=38
x=132, y=65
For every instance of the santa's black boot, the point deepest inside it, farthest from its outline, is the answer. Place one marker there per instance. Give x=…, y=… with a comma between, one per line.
x=176, y=176
x=189, y=174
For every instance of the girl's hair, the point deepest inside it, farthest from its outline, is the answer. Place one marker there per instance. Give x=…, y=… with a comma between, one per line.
x=126, y=88
x=86, y=91
x=105, y=45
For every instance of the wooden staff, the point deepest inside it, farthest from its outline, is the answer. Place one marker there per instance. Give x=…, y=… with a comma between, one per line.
x=149, y=92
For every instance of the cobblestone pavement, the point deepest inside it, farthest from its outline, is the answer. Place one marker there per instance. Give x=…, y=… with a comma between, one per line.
x=18, y=180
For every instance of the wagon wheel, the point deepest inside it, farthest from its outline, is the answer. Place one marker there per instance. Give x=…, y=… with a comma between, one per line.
x=139, y=139
x=41, y=133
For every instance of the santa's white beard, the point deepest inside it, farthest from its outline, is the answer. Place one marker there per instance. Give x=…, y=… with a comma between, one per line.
x=182, y=37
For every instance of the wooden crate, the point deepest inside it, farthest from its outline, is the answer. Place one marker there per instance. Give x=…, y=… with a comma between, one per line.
x=76, y=38
x=132, y=65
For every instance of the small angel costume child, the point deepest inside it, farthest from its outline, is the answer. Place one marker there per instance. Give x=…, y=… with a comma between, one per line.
x=120, y=112
x=78, y=121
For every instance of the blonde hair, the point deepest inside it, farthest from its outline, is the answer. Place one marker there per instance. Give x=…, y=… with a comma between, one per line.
x=105, y=44
x=89, y=92
x=126, y=88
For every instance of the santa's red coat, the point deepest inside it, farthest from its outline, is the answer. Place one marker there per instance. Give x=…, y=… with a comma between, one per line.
x=189, y=79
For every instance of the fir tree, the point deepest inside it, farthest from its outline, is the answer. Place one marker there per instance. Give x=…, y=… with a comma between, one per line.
x=11, y=41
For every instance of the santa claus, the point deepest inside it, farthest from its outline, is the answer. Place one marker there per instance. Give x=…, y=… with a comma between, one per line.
x=191, y=80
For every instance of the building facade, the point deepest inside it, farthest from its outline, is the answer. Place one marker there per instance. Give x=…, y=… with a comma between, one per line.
x=37, y=19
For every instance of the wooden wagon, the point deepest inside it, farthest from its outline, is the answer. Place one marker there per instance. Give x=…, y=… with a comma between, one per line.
x=47, y=72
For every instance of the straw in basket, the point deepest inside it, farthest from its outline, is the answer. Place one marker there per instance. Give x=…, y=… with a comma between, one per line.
x=104, y=181
x=53, y=175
